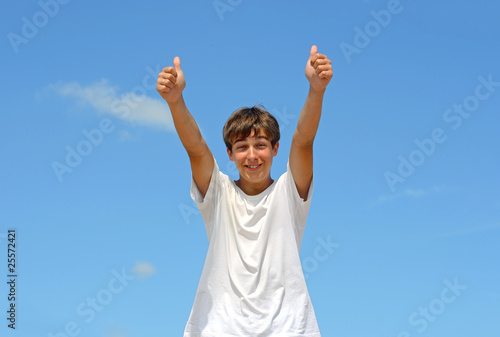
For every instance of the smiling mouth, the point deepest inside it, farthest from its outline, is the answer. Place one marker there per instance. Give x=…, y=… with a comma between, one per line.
x=253, y=167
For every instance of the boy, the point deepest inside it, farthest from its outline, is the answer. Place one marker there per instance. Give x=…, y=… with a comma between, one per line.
x=252, y=282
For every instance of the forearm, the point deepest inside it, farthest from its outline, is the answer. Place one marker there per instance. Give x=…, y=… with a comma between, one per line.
x=187, y=128
x=309, y=118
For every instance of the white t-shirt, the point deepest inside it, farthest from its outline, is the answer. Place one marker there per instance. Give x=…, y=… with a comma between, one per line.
x=252, y=282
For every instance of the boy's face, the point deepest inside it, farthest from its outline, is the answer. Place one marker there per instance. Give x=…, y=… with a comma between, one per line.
x=253, y=157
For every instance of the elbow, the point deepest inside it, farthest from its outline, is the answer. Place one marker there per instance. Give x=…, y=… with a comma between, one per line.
x=303, y=140
x=198, y=150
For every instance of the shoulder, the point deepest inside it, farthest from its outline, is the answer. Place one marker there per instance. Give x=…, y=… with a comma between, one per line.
x=218, y=182
x=286, y=182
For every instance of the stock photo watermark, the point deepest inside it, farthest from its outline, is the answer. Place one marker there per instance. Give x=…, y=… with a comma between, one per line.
x=30, y=27
x=88, y=309
x=425, y=315
x=74, y=157
x=322, y=252
x=453, y=117
x=93, y=138
x=223, y=6
x=365, y=35
x=12, y=265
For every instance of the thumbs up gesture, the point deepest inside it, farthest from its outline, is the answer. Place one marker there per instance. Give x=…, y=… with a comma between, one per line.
x=318, y=70
x=171, y=82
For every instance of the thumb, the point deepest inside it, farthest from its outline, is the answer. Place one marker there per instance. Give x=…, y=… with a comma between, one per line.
x=177, y=63
x=314, y=50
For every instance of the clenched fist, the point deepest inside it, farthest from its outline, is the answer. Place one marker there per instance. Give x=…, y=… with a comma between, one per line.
x=171, y=82
x=318, y=70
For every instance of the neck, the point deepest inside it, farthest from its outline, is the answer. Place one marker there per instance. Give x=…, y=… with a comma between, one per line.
x=253, y=188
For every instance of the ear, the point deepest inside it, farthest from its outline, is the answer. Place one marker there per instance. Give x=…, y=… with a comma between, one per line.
x=275, y=148
x=230, y=154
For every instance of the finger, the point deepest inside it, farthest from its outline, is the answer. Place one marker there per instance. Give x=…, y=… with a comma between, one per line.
x=321, y=61
x=177, y=63
x=169, y=84
x=322, y=68
x=162, y=89
x=313, y=55
x=166, y=77
x=319, y=56
x=169, y=70
x=163, y=83
x=322, y=56
x=314, y=50
x=326, y=74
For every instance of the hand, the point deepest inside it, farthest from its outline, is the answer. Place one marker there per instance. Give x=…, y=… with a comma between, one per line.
x=171, y=82
x=318, y=70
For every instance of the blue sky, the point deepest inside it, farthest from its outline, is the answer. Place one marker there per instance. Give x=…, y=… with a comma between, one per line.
x=402, y=235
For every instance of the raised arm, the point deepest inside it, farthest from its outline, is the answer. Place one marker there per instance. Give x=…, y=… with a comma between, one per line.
x=319, y=73
x=170, y=84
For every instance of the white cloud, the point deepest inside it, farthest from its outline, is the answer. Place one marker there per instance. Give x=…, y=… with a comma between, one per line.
x=117, y=333
x=134, y=106
x=421, y=193
x=143, y=269
x=114, y=330
x=408, y=193
x=125, y=135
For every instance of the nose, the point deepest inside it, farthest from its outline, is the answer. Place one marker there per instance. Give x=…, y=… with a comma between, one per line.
x=252, y=153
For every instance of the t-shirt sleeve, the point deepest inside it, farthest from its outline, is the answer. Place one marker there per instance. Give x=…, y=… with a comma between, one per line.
x=293, y=188
x=298, y=206
x=207, y=205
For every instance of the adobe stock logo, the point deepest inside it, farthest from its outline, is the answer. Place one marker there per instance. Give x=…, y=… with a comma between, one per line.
x=454, y=117
x=89, y=309
x=74, y=157
x=30, y=28
x=364, y=36
x=322, y=252
x=93, y=138
x=222, y=6
x=422, y=318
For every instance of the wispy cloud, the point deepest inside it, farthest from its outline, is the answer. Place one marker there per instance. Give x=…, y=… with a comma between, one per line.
x=135, y=107
x=125, y=135
x=116, y=331
x=472, y=230
x=407, y=193
x=143, y=269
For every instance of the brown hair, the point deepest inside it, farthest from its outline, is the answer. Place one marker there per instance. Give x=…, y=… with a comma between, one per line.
x=245, y=120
